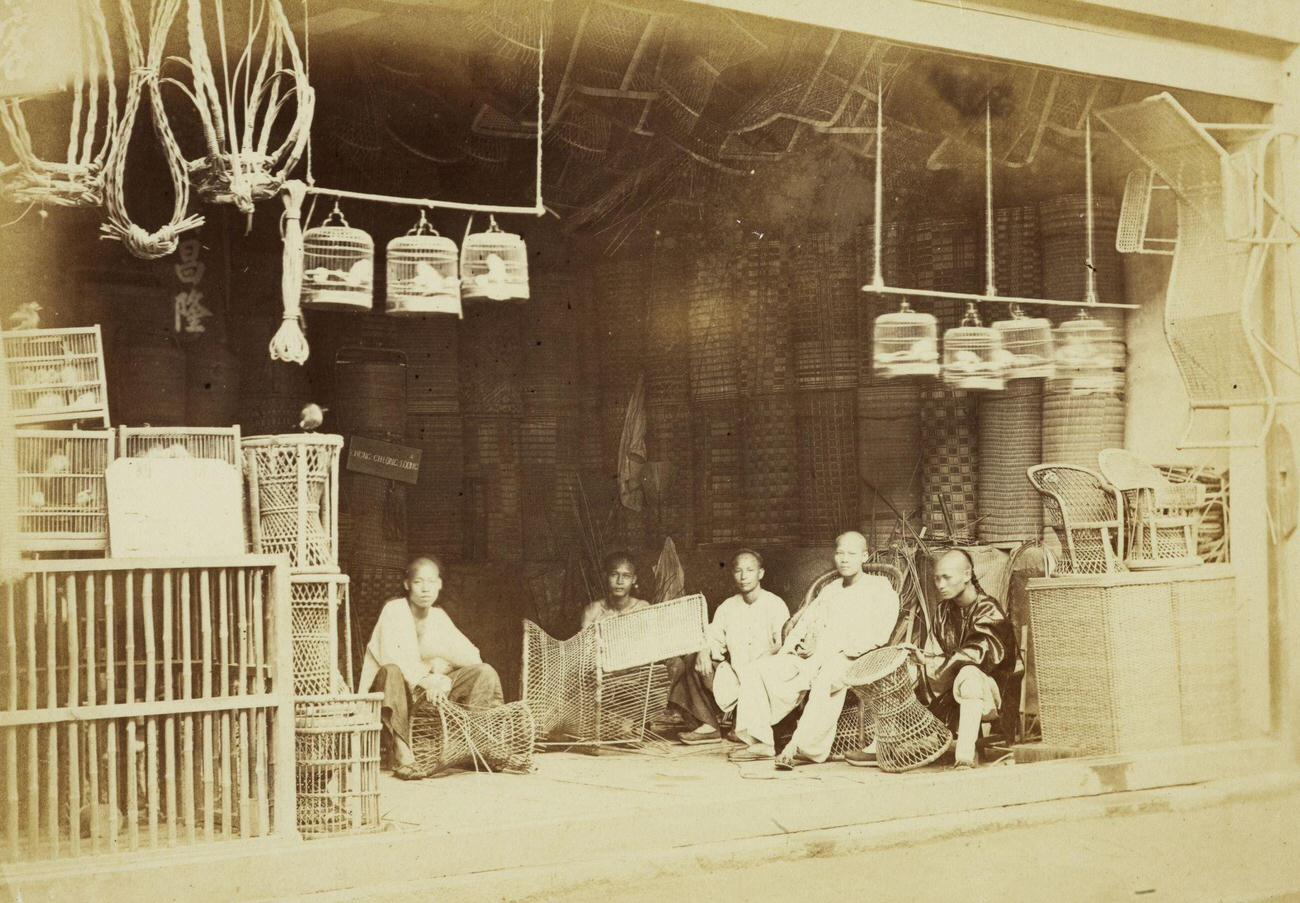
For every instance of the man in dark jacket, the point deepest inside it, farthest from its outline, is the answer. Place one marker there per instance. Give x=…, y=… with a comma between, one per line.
x=976, y=656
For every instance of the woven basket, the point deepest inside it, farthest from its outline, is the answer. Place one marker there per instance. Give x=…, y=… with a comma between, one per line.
x=1063, y=223
x=1017, y=252
x=336, y=745
x=828, y=464
x=432, y=349
x=1010, y=440
x=949, y=471
x=1077, y=427
x=150, y=389
x=322, y=633
x=370, y=392
x=293, y=487
x=1106, y=663
x=946, y=255
x=1205, y=634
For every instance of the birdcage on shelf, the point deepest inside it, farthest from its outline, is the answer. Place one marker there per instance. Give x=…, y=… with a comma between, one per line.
x=905, y=343
x=215, y=443
x=1027, y=346
x=1085, y=354
x=972, y=355
x=494, y=265
x=62, y=502
x=56, y=375
x=338, y=266
x=422, y=273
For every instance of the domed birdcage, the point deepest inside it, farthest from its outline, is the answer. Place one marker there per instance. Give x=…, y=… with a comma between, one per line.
x=1086, y=353
x=338, y=266
x=905, y=343
x=972, y=355
x=422, y=273
x=1027, y=345
x=494, y=265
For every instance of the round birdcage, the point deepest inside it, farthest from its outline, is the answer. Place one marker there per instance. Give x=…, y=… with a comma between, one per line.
x=905, y=343
x=1086, y=353
x=1027, y=345
x=422, y=273
x=338, y=266
x=494, y=265
x=972, y=355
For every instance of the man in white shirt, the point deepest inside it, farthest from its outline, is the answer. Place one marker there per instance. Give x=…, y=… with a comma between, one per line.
x=415, y=644
x=745, y=628
x=849, y=617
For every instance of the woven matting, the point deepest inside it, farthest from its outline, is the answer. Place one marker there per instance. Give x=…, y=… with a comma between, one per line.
x=828, y=465
x=949, y=472
x=1010, y=440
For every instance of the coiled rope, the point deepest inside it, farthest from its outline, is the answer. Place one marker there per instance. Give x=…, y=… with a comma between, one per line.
x=144, y=73
x=290, y=343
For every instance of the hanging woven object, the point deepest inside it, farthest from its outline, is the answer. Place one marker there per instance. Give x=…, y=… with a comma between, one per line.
x=290, y=343
x=494, y=265
x=905, y=343
x=78, y=180
x=338, y=266
x=972, y=355
x=247, y=155
x=422, y=273
x=145, y=62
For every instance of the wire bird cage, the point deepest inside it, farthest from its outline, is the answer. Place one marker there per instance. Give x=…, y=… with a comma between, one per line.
x=423, y=275
x=338, y=266
x=217, y=443
x=336, y=745
x=56, y=375
x=1027, y=346
x=1086, y=354
x=62, y=502
x=494, y=265
x=293, y=498
x=972, y=355
x=906, y=343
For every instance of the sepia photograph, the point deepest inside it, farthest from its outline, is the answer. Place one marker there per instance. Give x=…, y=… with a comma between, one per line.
x=514, y=451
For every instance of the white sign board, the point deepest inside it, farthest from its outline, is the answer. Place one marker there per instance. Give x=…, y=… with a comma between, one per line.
x=174, y=507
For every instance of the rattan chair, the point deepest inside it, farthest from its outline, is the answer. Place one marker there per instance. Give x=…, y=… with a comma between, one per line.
x=856, y=727
x=1162, y=520
x=606, y=684
x=1087, y=514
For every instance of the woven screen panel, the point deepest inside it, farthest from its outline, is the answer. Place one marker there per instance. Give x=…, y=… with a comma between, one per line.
x=949, y=470
x=551, y=343
x=770, y=460
x=432, y=349
x=669, y=448
x=668, y=340
x=718, y=475
x=620, y=294
x=764, y=300
x=825, y=300
x=889, y=456
x=493, y=491
x=1063, y=226
x=828, y=464
x=435, y=511
x=491, y=367
x=1017, y=253
x=1010, y=440
x=713, y=317
x=1078, y=425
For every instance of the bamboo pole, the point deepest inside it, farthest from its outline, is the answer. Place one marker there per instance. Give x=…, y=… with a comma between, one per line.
x=92, y=698
x=51, y=702
x=260, y=767
x=110, y=729
x=169, y=721
x=150, y=694
x=73, y=730
x=11, y=735
x=205, y=639
x=132, y=785
x=187, y=691
x=33, y=733
x=281, y=639
x=241, y=594
x=223, y=600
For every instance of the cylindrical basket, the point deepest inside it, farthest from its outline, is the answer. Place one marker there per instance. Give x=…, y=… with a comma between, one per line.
x=336, y=745
x=293, y=491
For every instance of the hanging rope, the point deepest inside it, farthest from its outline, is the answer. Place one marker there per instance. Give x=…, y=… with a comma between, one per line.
x=239, y=165
x=290, y=343
x=144, y=73
x=79, y=181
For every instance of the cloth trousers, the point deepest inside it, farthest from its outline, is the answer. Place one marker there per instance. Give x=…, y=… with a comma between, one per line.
x=689, y=694
x=772, y=687
x=474, y=687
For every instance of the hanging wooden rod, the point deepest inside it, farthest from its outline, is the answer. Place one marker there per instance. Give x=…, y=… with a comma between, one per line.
x=996, y=299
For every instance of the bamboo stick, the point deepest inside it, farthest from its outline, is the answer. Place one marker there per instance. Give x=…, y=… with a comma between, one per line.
x=260, y=764
x=241, y=594
x=74, y=730
x=223, y=600
x=169, y=721
x=205, y=639
x=281, y=639
x=33, y=733
x=187, y=690
x=150, y=693
x=92, y=697
x=111, y=727
x=132, y=786
x=52, y=702
x=11, y=735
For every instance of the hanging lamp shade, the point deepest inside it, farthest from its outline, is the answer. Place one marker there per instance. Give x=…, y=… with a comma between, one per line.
x=1086, y=353
x=338, y=266
x=905, y=343
x=423, y=273
x=494, y=265
x=972, y=355
x=1027, y=345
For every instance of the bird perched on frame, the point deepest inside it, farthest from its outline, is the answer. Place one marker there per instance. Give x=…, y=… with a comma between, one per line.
x=27, y=316
x=313, y=415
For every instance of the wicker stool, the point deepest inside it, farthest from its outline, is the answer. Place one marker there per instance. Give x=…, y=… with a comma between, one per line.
x=907, y=734
x=336, y=745
x=445, y=735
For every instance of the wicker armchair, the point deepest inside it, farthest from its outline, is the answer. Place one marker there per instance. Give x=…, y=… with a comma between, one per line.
x=1162, y=518
x=855, y=729
x=605, y=684
x=1087, y=514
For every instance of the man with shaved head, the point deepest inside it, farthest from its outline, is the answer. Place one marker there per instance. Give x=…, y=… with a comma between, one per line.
x=850, y=616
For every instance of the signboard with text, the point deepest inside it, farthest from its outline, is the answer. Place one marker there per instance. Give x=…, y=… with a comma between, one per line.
x=383, y=459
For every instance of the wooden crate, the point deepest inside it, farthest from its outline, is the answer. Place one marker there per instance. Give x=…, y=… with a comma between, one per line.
x=56, y=375
x=62, y=497
x=218, y=443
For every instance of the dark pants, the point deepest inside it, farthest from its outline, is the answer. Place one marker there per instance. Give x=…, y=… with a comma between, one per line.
x=689, y=695
x=474, y=687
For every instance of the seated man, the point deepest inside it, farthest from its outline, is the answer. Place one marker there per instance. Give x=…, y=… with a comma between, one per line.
x=969, y=660
x=620, y=581
x=849, y=617
x=415, y=644
x=745, y=628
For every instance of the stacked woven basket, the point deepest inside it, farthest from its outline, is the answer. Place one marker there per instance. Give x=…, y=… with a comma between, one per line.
x=1010, y=440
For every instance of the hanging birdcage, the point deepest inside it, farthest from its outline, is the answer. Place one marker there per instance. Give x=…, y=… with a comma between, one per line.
x=1086, y=353
x=338, y=266
x=972, y=355
x=1027, y=346
x=905, y=343
x=494, y=265
x=422, y=273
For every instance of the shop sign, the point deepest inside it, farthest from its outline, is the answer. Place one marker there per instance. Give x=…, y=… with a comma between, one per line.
x=383, y=459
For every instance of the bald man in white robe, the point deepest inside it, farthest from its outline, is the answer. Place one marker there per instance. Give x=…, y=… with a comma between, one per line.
x=849, y=617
